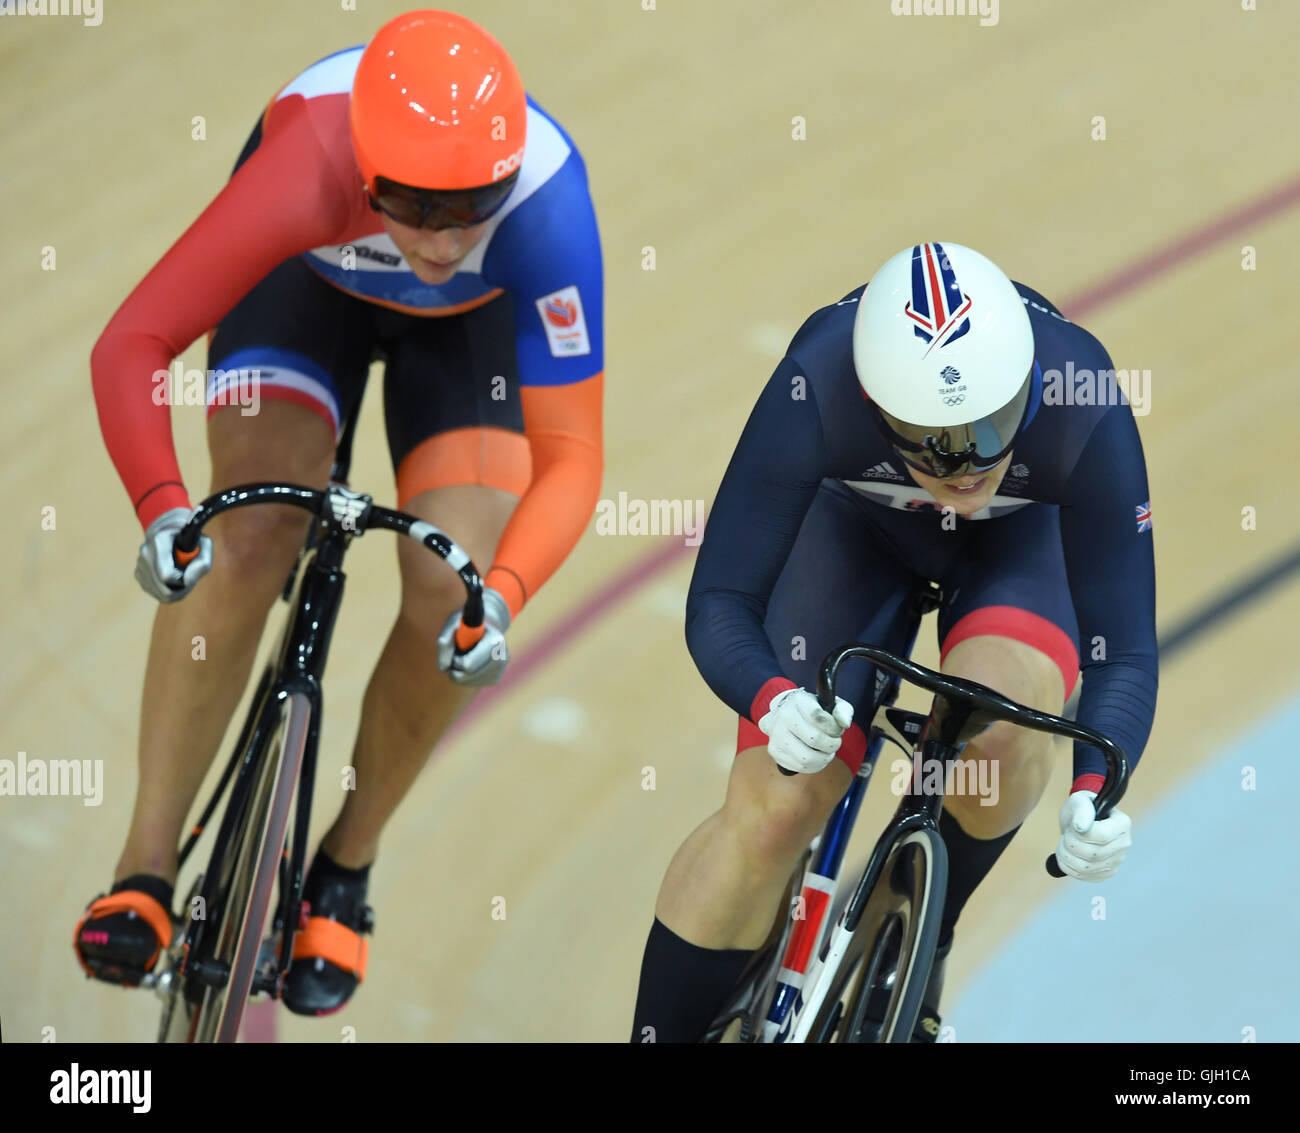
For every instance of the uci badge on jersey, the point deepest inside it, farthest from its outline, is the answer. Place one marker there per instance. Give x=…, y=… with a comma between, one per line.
x=566, y=327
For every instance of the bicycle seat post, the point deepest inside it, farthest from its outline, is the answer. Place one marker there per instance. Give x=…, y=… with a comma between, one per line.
x=343, y=451
x=928, y=597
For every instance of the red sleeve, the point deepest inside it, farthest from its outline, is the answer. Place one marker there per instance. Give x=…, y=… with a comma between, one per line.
x=286, y=198
x=563, y=424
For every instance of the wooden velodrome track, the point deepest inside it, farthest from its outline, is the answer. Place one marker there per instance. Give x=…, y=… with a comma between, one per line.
x=917, y=128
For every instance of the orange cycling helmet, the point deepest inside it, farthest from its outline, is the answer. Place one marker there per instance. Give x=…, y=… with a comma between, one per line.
x=439, y=118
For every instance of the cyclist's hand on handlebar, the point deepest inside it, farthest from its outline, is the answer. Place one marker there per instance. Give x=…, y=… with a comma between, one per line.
x=802, y=735
x=156, y=570
x=1091, y=850
x=484, y=661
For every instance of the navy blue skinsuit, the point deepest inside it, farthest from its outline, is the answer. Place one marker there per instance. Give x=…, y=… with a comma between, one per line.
x=818, y=535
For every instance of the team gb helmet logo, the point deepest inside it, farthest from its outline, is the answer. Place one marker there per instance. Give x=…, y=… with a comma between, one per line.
x=939, y=309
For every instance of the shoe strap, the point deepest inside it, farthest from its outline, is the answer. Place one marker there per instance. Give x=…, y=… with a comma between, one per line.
x=128, y=901
x=329, y=940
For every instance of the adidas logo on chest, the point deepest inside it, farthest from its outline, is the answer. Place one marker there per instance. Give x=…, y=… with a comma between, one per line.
x=882, y=471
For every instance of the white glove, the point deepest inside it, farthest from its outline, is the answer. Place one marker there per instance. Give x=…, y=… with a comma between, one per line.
x=802, y=735
x=485, y=661
x=1091, y=850
x=156, y=570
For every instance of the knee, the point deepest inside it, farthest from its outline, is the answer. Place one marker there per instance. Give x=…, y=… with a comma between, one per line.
x=1018, y=752
x=1013, y=668
x=431, y=593
x=999, y=778
x=254, y=548
x=773, y=824
x=1010, y=764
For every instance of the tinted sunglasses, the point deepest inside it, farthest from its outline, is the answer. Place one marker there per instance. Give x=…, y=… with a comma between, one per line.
x=958, y=450
x=440, y=208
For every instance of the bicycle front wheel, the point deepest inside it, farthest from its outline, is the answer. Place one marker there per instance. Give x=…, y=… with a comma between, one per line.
x=249, y=874
x=877, y=990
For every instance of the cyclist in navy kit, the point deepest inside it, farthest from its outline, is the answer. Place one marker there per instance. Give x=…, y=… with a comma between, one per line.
x=905, y=437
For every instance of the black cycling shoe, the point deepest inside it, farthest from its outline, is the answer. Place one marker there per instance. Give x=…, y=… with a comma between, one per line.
x=329, y=954
x=122, y=933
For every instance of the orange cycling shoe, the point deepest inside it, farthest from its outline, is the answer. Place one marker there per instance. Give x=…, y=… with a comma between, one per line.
x=122, y=933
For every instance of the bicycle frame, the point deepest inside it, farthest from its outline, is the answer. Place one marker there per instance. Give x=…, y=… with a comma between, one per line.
x=314, y=594
x=801, y=963
x=289, y=697
x=914, y=811
x=961, y=709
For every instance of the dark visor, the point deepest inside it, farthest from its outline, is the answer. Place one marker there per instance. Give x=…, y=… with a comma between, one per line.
x=958, y=450
x=440, y=208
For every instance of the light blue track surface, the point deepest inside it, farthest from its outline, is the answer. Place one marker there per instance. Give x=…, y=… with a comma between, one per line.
x=1202, y=930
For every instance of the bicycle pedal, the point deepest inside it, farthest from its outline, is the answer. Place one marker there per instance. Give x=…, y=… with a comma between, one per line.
x=163, y=984
x=112, y=972
x=265, y=983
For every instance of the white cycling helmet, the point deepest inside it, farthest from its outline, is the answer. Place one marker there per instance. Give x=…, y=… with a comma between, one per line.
x=945, y=354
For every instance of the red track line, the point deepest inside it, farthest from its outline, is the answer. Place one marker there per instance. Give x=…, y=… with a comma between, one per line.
x=666, y=553
x=642, y=571
x=259, y=1020
x=1169, y=257
x=259, y=1023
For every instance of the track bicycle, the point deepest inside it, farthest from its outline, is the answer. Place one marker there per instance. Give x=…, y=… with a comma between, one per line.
x=852, y=965
x=218, y=957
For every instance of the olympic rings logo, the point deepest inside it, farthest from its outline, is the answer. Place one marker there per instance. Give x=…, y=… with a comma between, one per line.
x=954, y=399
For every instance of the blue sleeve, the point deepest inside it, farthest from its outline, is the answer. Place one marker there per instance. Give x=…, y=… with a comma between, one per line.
x=1111, y=567
x=768, y=488
x=547, y=255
